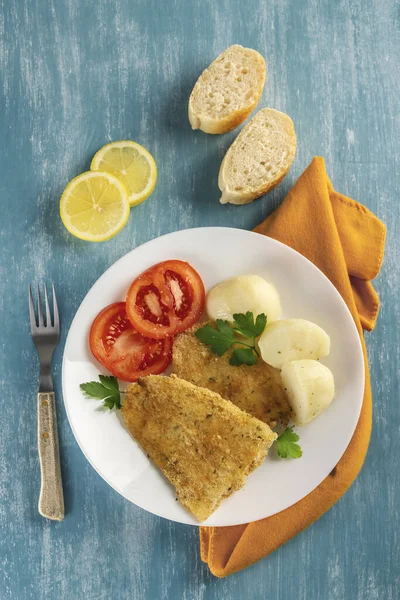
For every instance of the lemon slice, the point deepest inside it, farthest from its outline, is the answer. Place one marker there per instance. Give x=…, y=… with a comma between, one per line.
x=132, y=164
x=94, y=206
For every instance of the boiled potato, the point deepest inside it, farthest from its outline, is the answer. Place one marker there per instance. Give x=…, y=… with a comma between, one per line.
x=242, y=294
x=292, y=339
x=310, y=388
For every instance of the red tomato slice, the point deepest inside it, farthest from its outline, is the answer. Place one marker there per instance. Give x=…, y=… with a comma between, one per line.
x=126, y=353
x=166, y=299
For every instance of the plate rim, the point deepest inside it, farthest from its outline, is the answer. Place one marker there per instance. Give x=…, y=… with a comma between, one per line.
x=164, y=236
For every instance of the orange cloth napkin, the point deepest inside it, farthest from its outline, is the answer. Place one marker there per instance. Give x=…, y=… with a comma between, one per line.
x=346, y=241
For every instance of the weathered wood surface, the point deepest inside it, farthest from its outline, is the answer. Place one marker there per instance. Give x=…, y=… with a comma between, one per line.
x=74, y=75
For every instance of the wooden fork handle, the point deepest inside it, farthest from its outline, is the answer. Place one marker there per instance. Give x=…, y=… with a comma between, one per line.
x=51, y=499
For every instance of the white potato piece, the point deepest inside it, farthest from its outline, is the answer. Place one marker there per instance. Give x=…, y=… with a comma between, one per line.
x=292, y=339
x=310, y=387
x=241, y=294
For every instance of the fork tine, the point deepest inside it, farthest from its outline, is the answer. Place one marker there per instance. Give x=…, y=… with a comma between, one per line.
x=31, y=310
x=40, y=312
x=55, y=308
x=46, y=302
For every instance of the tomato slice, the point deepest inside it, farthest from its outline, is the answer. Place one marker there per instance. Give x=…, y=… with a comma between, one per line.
x=166, y=299
x=125, y=352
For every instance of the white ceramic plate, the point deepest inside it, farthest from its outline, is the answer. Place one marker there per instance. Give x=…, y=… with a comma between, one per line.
x=218, y=253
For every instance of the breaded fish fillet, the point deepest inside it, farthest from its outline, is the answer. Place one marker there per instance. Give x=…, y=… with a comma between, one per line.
x=203, y=444
x=257, y=389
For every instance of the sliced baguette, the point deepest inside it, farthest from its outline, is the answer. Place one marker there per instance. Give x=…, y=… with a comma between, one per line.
x=259, y=158
x=227, y=91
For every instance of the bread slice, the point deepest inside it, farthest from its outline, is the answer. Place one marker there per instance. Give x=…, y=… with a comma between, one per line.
x=203, y=444
x=258, y=390
x=259, y=158
x=228, y=90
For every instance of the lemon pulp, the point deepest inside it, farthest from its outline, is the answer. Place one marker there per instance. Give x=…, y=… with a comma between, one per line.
x=132, y=164
x=94, y=206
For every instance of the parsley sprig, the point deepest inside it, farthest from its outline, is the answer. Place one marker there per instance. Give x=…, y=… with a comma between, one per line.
x=286, y=446
x=221, y=339
x=106, y=389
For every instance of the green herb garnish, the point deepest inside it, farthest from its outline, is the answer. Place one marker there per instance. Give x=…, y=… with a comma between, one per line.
x=243, y=356
x=223, y=338
x=245, y=324
x=286, y=446
x=220, y=339
x=106, y=389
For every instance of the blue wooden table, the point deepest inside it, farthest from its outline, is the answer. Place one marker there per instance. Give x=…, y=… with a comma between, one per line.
x=77, y=74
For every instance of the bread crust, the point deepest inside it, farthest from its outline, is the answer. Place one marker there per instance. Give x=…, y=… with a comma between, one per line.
x=199, y=119
x=249, y=193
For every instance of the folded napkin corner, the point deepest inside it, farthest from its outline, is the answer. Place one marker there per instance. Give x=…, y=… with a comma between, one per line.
x=346, y=242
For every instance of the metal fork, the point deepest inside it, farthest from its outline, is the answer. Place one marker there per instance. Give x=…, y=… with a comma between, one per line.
x=45, y=335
